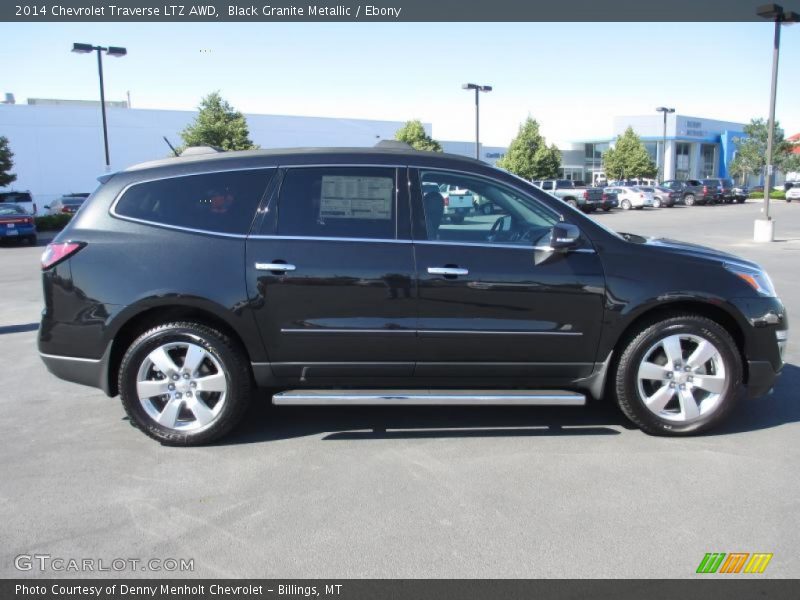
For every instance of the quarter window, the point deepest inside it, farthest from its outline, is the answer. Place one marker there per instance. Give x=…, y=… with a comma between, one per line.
x=350, y=202
x=222, y=202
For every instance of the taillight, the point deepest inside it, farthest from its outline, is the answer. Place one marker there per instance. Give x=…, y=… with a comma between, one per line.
x=605, y=196
x=55, y=253
x=65, y=210
x=447, y=200
x=705, y=189
x=585, y=194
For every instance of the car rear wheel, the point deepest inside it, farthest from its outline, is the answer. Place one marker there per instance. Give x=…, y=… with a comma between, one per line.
x=656, y=203
x=184, y=383
x=457, y=219
x=679, y=376
x=572, y=203
x=625, y=205
x=689, y=200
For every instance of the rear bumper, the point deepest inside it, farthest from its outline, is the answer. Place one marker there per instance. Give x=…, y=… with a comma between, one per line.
x=85, y=371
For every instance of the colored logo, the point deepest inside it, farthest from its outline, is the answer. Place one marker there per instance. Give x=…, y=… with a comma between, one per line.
x=735, y=562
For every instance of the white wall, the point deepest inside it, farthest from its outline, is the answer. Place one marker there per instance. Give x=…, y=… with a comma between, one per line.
x=58, y=149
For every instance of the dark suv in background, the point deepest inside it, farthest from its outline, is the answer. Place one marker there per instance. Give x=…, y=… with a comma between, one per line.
x=330, y=277
x=692, y=191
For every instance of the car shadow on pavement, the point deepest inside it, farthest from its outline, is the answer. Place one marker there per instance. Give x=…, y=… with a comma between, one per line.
x=778, y=408
x=265, y=422
x=18, y=328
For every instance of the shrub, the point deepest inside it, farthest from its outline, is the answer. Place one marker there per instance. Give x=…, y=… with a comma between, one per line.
x=774, y=195
x=52, y=222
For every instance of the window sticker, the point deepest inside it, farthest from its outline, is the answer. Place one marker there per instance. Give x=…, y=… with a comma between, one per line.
x=349, y=197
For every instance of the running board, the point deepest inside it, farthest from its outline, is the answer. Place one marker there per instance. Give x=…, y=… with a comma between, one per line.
x=429, y=397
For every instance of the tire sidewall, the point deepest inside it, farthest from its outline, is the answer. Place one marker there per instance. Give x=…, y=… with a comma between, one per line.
x=699, y=327
x=151, y=340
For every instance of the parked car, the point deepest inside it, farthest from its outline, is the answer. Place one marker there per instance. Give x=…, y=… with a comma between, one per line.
x=68, y=204
x=16, y=223
x=793, y=193
x=692, y=191
x=662, y=197
x=723, y=189
x=609, y=201
x=740, y=193
x=23, y=199
x=632, y=197
x=584, y=198
x=328, y=277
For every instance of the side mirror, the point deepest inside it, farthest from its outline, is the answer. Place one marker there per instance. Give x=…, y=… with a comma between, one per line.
x=564, y=236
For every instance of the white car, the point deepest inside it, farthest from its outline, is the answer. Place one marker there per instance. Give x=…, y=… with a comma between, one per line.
x=793, y=193
x=630, y=197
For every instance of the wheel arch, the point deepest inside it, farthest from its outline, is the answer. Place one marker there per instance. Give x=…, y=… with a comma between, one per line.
x=713, y=311
x=147, y=317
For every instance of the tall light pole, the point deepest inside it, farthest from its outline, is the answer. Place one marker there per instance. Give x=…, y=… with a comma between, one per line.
x=764, y=229
x=478, y=89
x=666, y=111
x=111, y=51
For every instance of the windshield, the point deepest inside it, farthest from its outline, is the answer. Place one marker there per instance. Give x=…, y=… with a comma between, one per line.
x=11, y=209
x=15, y=197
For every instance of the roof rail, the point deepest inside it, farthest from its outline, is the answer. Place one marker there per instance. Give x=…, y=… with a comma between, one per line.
x=195, y=150
x=395, y=144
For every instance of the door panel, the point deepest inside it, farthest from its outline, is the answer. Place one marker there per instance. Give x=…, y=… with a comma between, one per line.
x=510, y=310
x=348, y=307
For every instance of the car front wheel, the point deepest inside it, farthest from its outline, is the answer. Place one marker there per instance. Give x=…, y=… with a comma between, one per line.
x=679, y=376
x=689, y=200
x=625, y=205
x=184, y=383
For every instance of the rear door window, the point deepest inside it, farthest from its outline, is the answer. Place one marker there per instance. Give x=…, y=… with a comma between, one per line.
x=338, y=202
x=223, y=202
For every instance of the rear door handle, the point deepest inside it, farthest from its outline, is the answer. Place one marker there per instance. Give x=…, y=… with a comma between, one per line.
x=454, y=271
x=282, y=267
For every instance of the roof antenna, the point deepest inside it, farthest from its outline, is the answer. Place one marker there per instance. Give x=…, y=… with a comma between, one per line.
x=171, y=147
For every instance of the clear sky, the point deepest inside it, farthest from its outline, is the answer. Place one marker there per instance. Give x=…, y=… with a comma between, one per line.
x=573, y=78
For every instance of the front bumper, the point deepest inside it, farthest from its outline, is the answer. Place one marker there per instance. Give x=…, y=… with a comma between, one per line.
x=761, y=377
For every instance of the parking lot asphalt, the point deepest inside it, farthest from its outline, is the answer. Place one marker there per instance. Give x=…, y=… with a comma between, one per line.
x=395, y=492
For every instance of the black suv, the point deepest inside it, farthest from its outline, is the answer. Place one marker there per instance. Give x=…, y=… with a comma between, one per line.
x=330, y=277
x=692, y=191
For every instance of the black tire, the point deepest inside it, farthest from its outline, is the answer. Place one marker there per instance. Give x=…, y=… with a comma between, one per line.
x=741, y=200
x=457, y=218
x=32, y=240
x=657, y=203
x=689, y=200
x=625, y=205
x=487, y=209
x=224, y=350
x=571, y=202
x=606, y=208
x=624, y=377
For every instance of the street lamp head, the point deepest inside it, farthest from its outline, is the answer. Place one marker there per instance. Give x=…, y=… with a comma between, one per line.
x=469, y=86
x=82, y=48
x=116, y=51
x=485, y=88
x=791, y=17
x=769, y=11
x=664, y=109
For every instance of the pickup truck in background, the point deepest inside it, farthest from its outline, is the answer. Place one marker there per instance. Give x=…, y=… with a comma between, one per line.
x=588, y=199
x=457, y=202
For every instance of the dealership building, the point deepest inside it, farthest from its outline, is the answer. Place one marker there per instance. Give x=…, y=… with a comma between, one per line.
x=58, y=144
x=696, y=147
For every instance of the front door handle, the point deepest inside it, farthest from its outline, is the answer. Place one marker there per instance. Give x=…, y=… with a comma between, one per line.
x=273, y=266
x=452, y=271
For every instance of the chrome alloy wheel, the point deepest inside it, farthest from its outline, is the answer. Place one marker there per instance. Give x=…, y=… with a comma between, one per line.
x=181, y=386
x=681, y=378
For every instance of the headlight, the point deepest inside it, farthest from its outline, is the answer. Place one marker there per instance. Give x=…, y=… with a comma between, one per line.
x=755, y=278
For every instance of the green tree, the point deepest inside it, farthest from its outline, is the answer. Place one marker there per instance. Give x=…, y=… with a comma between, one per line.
x=751, y=150
x=413, y=134
x=529, y=156
x=217, y=124
x=6, y=176
x=628, y=158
